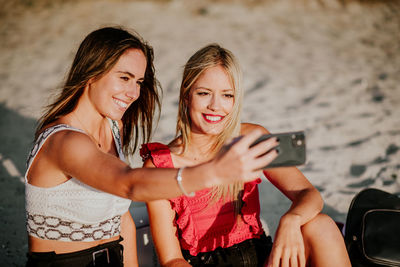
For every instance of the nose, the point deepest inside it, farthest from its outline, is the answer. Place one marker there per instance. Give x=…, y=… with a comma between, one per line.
x=133, y=91
x=215, y=103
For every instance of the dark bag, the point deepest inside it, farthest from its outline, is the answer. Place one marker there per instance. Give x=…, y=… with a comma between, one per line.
x=372, y=233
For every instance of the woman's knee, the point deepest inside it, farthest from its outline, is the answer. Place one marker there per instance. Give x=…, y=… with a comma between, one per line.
x=321, y=226
x=324, y=242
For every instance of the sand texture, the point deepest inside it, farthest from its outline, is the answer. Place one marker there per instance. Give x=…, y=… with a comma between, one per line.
x=330, y=69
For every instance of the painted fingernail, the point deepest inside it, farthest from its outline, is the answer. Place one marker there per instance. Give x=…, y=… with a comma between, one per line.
x=277, y=139
x=277, y=150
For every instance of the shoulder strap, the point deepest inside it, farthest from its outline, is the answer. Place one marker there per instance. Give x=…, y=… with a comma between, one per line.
x=159, y=154
x=117, y=138
x=42, y=139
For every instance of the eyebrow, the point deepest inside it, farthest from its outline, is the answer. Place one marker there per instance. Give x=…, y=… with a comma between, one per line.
x=223, y=90
x=129, y=74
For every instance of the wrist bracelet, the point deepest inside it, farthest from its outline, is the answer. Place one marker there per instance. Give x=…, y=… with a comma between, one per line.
x=179, y=180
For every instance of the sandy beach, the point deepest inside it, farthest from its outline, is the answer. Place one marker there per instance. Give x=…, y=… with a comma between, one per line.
x=328, y=68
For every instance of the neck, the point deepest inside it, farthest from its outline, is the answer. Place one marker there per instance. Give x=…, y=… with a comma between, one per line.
x=89, y=120
x=200, y=146
x=92, y=124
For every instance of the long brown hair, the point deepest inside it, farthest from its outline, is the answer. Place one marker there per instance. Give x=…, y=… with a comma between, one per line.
x=97, y=54
x=210, y=56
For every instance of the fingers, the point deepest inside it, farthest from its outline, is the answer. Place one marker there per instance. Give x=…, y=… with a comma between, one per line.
x=302, y=257
x=237, y=161
x=264, y=160
x=257, y=154
x=275, y=257
x=281, y=257
x=293, y=260
x=264, y=146
x=285, y=258
x=250, y=138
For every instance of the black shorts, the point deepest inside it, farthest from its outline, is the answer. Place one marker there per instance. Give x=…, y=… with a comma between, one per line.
x=249, y=253
x=107, y=254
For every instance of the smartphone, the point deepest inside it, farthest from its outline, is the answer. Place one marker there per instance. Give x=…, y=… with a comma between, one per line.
x=292, y=149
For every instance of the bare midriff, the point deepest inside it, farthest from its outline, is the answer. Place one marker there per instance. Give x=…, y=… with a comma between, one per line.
x=42, y=245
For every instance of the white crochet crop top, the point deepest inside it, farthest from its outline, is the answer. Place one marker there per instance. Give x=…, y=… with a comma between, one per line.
x=72, y=211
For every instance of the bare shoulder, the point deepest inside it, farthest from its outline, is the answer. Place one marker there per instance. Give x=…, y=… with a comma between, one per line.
x=248, y=127
x=148, y=163
x=47, y=168
x=66, y=138
x=176, y=146
x=66, y=142
x=179, y=158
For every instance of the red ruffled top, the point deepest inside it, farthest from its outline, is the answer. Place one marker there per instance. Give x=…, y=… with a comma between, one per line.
x=202, y=227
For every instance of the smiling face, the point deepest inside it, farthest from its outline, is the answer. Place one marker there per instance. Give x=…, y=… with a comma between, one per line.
x=116, y=90
x=211, y=100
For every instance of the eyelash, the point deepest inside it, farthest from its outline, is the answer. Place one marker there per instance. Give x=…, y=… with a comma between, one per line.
x=124, y=78
x=202, y=93
x=206, y=93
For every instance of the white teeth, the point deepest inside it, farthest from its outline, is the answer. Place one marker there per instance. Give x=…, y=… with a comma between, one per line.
x=213, y=118
x=120, y=103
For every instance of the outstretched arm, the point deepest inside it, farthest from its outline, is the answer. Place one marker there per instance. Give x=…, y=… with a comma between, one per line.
x=77, y=156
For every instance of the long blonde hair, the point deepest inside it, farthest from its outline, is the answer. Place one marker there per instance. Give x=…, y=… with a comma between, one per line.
x=97, y=54
x=210, y=56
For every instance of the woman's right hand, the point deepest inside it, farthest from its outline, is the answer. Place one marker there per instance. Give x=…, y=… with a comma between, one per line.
x=238, y=162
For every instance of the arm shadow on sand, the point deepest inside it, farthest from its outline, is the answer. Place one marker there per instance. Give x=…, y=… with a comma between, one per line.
x=16, y=135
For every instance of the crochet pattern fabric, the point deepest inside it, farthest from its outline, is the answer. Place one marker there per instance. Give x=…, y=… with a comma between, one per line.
x=72, y=211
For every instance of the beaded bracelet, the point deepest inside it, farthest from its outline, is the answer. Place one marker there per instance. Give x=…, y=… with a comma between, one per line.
x=179, y=180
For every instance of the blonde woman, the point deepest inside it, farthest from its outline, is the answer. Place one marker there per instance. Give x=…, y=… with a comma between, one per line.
x=220, y=226
x=78, y=187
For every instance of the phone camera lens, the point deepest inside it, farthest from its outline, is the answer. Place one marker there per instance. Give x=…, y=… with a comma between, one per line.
x=299, y=142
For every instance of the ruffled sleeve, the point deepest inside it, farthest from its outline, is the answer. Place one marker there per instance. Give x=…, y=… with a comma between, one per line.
x=158, y=153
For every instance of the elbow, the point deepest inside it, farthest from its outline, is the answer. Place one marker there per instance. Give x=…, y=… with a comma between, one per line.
x=318, y=199
x=312, y=196
x=133, y=193
x=126, y=184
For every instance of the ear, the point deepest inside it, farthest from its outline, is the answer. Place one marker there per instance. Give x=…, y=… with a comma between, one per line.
x=91, y=80
x=89, y=83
